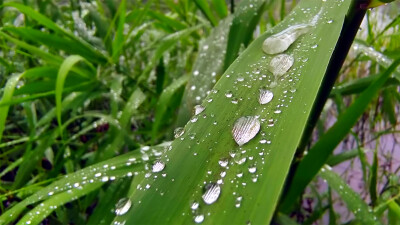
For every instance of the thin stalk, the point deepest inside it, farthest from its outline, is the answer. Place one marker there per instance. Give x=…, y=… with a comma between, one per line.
x=350, y=28
x=351, y=24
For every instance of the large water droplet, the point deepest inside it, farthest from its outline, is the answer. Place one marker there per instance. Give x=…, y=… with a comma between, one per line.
x=158, y=166
x=194, y=206
x=179, y=131
x=281, y=41
x=123, y=206
x=265, y=96
x=280, y=64
x=211, y=194
x=198, y=109
x=245, y=129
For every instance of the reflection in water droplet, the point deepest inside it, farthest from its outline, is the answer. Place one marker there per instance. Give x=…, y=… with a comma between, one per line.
x=179, y=131
x=158, y=166
x=194, y=206
x=223, y=162
x=211, y=194
x=245, y=129
x=279, y=42
x=199, y=218
x=265, y=96
x=228, y=94
x=252, y=169
x=280, y=64
x=123, y=206
x=198, y=109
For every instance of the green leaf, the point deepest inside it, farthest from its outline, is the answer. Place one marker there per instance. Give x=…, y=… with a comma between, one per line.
x=7, y=95
x=193, y=160
x=55, y=41
x=206, y=10
x=206, y=69
x=244, y=22
x=164, y=102
x=65, y=68
x=320, y=152
x=354, y=202
x=220, y=7
x=119, y=34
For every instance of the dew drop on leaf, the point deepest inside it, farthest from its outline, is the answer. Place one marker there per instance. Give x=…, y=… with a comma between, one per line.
x=281, y=41
x=252, y=169
x=265, y=96
x=211, y=194
x=123, y=206
x=199, y=218
x=198, y=109
x=280, y=64
x=223, y=162
x=179, y=131
x=158, y=166
x=194, y=206
x=245, y=129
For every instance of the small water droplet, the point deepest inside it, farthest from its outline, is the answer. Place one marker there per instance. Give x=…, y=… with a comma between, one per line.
x=211, y=194
x=123, y=206
x=179, y=131
x=252, y=169
x=280, y=64
x=199, y=218
x=245, y=129
x=228, y=94
x=265, y=96
x=194, y=206
x=158, y=166
x=198, y=109
x=223, y=162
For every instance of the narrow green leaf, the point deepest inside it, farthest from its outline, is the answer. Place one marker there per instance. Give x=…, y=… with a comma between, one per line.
x=320, y=152
x=65, y=68
x=220, y=7
x=165, y=101
x=57, y=42
x=206, y=10
x=206, y=69
x=193, y=159
x=119, y=34
x=373, y=179
x=244, y=22
x=354, y=202
x=7, y=95
x=134, y=101
x=52, y=59
x=344, y=156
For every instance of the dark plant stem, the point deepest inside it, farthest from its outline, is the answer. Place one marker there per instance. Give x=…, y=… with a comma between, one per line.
x=351, y=25
x=350, y=28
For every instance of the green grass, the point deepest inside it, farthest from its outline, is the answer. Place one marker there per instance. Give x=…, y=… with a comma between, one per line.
x=98, y=101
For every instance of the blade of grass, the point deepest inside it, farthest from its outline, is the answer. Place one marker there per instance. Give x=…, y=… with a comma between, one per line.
x=221, y=8
x=192, y=161
x=320, y=152
x=7, y=95
x=354, y=202
x=241, y=32
x=119, y=37
x=65, y=68
x=373, y=179
x=206, y=69
x=164, y=102
x=206, y=10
